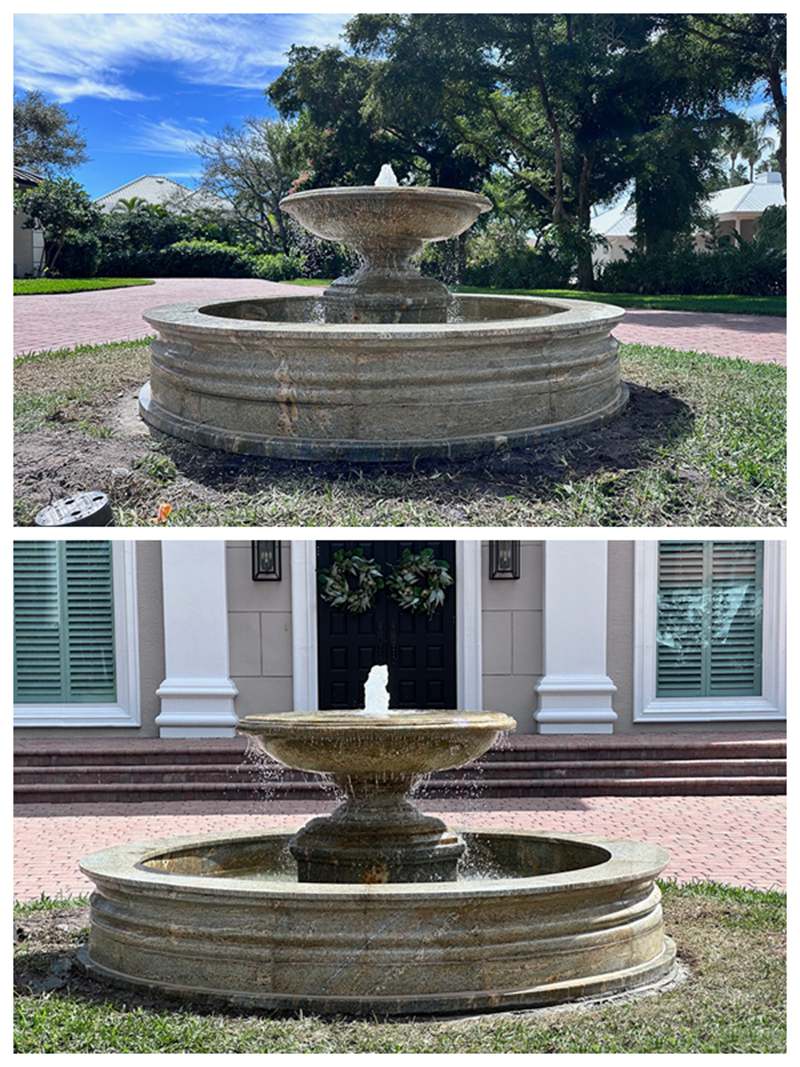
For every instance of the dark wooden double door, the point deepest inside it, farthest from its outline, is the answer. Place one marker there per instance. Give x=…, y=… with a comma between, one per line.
x=419, y=651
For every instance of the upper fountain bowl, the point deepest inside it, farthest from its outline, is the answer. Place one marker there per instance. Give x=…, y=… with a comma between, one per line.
x=365, y=214
x=362, y=745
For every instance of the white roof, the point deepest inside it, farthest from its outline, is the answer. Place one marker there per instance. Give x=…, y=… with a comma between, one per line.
x=757, y=196
x=618, y=219
x=158, y=189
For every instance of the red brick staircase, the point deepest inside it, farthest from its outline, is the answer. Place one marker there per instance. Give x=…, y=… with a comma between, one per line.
x=130, y=770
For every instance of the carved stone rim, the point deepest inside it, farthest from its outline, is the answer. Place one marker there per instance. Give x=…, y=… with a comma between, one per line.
x=431, y=193
x=121, y=866
x=567, y=316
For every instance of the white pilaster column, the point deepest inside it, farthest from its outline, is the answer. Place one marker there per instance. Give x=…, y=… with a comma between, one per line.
x=469, y=626
x=305, y=688
x=197, y=694
x=575, y=693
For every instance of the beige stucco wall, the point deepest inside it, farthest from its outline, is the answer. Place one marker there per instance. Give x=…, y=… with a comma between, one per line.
x=27, y=247
x=512, y=636
x=260, y=633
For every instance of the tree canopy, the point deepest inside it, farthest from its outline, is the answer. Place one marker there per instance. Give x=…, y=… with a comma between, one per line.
x=46, y=139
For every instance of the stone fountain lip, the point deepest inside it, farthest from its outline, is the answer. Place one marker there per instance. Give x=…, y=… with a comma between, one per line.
x=360, y=721
x=352, y=745
x=395, y=192
x=124, y=867
x=337, y=220
x=567, y=317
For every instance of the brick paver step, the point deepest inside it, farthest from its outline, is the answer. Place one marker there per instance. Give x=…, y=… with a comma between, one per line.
x=143, y=792
x=717, y=745
x=639, y=768
x=484, y=772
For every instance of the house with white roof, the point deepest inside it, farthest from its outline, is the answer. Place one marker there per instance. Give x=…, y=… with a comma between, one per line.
x=159, y=189
x=737, y=210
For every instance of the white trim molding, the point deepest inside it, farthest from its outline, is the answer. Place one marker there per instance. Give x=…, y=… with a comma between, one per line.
x=770, y=705
x=575, y=695
x=469, y=675
x=126, y=711
x=469, y=626
x=197, y=695
x=305, y=689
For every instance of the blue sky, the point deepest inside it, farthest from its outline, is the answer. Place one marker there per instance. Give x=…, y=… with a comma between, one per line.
x=145, y=88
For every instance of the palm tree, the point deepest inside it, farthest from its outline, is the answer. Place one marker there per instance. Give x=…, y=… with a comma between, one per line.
x=755, y=144
x=133, y=203
x=732, y=142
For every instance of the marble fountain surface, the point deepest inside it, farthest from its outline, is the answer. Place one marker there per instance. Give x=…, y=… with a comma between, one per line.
x=386, y=365
x=378, y=908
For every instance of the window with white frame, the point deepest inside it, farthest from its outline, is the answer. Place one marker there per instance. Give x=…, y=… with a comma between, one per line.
x=709, y=631
x=75, y=634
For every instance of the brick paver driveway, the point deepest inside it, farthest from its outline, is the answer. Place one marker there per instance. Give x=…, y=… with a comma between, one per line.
x=736, y=840
x=758, y=338
x=68, y=319
x=64, y=320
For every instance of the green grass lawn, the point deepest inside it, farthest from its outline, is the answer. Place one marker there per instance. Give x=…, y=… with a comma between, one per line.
x=41, y=286
x=732, y=1001
x=729, y=304
x=702, y=443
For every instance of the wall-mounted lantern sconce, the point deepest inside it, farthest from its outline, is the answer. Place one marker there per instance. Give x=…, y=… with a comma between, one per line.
x=503, y=559
x=266, y=561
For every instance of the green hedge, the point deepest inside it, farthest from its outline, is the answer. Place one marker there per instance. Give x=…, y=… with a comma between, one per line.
x=204, y=259
x=731, y=265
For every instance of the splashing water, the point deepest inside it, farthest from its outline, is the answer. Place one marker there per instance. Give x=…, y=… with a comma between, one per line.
x=376, y=691
x=387, y=177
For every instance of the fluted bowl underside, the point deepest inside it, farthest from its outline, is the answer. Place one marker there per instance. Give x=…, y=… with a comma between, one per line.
x=407, y=214
x=535, y=919
x=361, y=744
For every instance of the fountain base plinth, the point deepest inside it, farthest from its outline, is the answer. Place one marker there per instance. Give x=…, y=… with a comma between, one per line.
x=381, y=297
x=376, y=840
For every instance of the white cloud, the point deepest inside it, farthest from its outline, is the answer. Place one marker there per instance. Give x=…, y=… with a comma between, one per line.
x=165, y=138
x=68, y=56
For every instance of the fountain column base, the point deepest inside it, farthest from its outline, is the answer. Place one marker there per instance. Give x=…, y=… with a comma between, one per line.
x=374, y=838
x=381, y=296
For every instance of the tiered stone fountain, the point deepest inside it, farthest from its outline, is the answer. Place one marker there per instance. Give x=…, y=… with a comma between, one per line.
x=377, y=908
x=385, y=365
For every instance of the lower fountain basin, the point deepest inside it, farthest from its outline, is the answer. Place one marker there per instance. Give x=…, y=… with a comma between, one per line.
x=533, y=919
x=268, y=377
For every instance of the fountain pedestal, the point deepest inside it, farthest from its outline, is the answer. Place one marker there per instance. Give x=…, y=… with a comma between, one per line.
x=384, y=295
x=387, y=225
x=376, y=836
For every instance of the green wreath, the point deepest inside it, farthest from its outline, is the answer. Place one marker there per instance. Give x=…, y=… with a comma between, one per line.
x=418, y=581
x=351, y=582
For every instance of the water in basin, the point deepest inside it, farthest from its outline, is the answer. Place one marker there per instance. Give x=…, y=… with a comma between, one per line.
x=311, y=310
